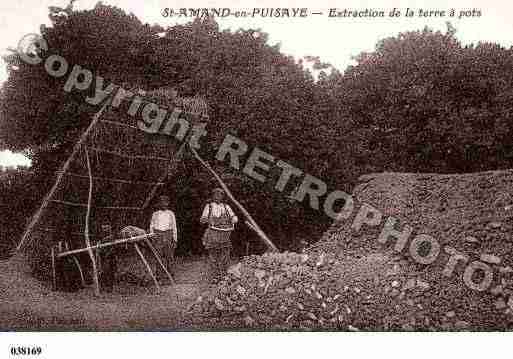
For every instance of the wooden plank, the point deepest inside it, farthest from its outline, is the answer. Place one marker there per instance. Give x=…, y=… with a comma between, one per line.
x=108, y=244
x=35, y=218
x=270, y=245
x=120, y=208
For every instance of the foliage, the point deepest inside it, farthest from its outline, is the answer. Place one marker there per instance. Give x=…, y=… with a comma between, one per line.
x=15, y=184
x=423, y=102
x=419, y=102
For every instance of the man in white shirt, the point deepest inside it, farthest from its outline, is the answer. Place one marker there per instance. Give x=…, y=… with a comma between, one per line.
x=163, y=222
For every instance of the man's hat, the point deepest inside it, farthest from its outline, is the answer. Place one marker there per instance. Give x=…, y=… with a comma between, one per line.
x=217, y=190
x=164, y=199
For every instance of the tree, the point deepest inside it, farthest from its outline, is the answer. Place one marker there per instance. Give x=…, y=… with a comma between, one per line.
x=253, y=90
x=427, y=103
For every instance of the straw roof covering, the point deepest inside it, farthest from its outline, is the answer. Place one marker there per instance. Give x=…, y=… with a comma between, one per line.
x=127, y=166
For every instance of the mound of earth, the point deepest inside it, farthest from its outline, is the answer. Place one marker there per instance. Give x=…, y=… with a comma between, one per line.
x=351, y=281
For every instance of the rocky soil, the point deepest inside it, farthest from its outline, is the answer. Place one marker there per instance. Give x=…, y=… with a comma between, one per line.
x=350, y=281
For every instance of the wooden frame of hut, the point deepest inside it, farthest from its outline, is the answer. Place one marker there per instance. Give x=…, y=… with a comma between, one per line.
x=112, y=175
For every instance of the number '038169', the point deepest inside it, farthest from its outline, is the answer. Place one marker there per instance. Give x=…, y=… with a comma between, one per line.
x=26, y=350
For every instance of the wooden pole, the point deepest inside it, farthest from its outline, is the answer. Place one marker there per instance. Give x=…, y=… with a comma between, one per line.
x=250, y=225
x=147, y=266
x=106, y=244
x=76, y=148
x=77, y=263
x=159, y=260
x=75, y=260
x=270, y=245
x=86, y=230
x=54, y=271
x=196, y=104
x=170, y=168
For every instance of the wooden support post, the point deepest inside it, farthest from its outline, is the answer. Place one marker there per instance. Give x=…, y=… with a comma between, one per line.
x=250, y=225
x=86, y=230
x=147, y=266
x=54, y=270
x=77, y=263
x=76, y=148
x=75, y=260
x=159, y=260
x=169, y=169
x=270, y=245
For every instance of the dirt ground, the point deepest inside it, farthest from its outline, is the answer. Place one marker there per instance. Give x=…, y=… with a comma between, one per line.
x=27, y=304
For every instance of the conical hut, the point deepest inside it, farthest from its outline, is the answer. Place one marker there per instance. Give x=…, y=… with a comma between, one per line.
x=111, y=177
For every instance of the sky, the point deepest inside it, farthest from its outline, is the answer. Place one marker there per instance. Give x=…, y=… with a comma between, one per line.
x=335, y=40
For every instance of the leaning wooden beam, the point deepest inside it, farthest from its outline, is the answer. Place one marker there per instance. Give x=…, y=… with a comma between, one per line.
x=107, y=244
x=76, y=148
x=170, y=168
x=86, y=229
x=148, y=268
x=196, y=107
x=250, y=225
x=159, y=260
x=154, y=188
x=79, y=267
x=54, y=270
x=116, y=180
x=270, y=245
x=75, y=260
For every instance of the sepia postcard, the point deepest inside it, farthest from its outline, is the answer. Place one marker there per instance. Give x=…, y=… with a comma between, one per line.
x=169, y=168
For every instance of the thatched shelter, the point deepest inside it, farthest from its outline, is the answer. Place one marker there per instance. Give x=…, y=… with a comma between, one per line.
x=112, y=175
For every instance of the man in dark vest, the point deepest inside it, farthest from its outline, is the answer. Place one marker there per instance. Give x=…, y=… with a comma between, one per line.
x=221, y=220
